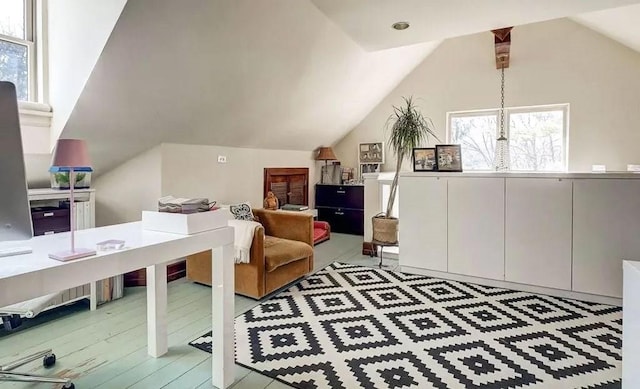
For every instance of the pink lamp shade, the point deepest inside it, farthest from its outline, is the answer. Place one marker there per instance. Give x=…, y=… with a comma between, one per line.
x=71, y=153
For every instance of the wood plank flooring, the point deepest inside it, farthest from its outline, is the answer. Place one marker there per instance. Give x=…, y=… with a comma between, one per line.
x=107, y=348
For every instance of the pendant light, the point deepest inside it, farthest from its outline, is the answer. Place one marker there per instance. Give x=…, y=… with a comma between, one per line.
x=502, y=43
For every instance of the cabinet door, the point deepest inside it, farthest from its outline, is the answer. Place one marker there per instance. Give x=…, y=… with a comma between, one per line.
x=606, y=230
x=423, y=222
x=297, y=193
x=538, y=232
x=290, y=185
x=476, y=226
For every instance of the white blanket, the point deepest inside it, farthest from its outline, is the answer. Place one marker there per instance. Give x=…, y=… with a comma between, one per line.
x=243, y=234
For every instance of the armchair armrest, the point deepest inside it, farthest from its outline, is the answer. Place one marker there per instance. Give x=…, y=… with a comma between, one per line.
x=287, y=225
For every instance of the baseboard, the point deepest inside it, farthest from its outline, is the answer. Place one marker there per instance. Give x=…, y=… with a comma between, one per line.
x=515, y=286
x=369, y=248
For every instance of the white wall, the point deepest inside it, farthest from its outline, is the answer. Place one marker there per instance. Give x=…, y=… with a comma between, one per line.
x=78, y=31
x=552, y=62
x=194, y=171
x=288, y=79
x=190, y=171
x=122, y=193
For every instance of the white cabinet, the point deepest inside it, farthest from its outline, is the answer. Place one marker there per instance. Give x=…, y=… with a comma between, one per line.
x=423, y=224
x=538, y=231
x=605, y=232
x=475, y=227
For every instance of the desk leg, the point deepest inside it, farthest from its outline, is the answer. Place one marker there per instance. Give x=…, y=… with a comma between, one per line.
x=222, y=312
x=157, y=342
x=93, y=295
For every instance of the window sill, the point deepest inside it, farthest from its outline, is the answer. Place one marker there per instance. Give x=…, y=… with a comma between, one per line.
x=35, y=114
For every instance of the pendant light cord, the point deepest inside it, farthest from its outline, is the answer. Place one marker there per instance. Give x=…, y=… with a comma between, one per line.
x=502, y=137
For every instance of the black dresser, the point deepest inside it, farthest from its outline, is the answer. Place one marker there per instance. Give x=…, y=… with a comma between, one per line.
x=342, y=206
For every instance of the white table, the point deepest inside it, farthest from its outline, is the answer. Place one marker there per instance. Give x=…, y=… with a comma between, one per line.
x=24, y=277
x=631, y=325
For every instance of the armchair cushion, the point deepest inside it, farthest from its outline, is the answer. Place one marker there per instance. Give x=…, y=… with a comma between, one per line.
x=278, y=251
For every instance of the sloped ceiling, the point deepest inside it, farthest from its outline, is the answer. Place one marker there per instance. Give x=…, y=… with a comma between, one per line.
x=266, y=74
x=369, y=22
x=620, y=24
x=277, y=74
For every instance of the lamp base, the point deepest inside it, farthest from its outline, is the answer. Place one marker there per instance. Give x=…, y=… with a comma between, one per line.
x=71, y=255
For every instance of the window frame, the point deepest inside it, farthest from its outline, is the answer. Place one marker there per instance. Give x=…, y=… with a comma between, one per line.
x=508, y=111
x=30, y=42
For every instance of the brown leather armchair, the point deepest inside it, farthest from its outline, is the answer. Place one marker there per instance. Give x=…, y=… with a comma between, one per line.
x=281, y=252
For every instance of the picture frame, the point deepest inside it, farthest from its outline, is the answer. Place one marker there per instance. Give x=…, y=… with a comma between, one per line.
x=371, y=153
x=424, y=159
x=369, y=168
x=449, y=158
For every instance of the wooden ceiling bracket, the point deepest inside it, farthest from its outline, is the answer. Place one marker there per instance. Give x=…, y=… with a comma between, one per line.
x=502, y=42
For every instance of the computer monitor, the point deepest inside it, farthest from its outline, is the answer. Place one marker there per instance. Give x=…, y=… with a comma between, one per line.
x=15, y=214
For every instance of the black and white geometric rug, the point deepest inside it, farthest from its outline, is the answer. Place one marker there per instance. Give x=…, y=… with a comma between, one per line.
x=349, y=326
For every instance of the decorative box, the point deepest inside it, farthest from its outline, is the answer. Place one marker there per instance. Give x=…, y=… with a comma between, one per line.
x=60, y=177
x=185, y=224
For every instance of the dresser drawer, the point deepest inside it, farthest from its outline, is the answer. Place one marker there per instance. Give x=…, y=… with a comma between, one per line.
x=49, y=220
x=348, y=221
x=341, y=196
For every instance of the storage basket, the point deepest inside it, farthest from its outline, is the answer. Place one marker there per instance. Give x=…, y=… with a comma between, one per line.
x=385, y=230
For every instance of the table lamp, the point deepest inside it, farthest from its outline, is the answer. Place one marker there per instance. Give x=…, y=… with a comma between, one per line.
x=71, y=154
x=325, y=154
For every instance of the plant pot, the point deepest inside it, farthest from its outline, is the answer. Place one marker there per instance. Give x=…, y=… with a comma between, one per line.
x=385, y=229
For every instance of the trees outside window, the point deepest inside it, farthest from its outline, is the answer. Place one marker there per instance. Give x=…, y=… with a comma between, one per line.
x=537, y=137
x=17, y=46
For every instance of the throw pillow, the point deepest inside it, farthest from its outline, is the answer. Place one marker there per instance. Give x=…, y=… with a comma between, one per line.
x=241, y=211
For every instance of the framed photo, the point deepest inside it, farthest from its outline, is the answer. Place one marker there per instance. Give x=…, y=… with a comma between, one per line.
x=449, y=158
x=369, y=168
x=371, y=152
x=424, y=159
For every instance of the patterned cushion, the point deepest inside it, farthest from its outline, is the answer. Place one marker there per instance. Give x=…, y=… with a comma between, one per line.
x=241, y=211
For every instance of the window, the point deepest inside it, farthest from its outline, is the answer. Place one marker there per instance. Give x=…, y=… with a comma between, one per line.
x=17, y=63
x=537, y=137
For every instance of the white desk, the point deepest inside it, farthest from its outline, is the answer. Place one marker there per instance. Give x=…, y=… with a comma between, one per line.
x=32, y=275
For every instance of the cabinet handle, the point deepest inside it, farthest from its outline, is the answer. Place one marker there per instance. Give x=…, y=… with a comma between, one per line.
x=47, y=214
x=48, y=232
x=341, y=191
x=339, y=213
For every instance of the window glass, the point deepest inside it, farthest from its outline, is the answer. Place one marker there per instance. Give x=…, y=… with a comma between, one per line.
x=14, y=65
x=476, y=135
x=12, y=18
x=536, y=141
x=537, y=138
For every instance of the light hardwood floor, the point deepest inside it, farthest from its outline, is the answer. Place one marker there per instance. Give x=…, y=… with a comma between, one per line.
x=107, y=348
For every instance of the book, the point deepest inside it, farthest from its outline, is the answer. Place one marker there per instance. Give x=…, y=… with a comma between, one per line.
x=294, y=207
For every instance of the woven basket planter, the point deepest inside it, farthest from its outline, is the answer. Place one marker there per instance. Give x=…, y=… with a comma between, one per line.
x=385, y=230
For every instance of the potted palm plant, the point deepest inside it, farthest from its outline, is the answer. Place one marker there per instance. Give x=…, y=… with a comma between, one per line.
x=408, y=129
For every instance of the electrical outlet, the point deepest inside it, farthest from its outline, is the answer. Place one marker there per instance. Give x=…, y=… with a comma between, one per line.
x=598, y=168
x=222, y=159
x=633, y=168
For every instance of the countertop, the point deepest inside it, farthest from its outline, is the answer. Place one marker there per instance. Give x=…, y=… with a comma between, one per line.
x=568, y=175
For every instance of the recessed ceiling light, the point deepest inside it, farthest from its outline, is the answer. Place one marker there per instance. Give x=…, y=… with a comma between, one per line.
x=400, y=25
